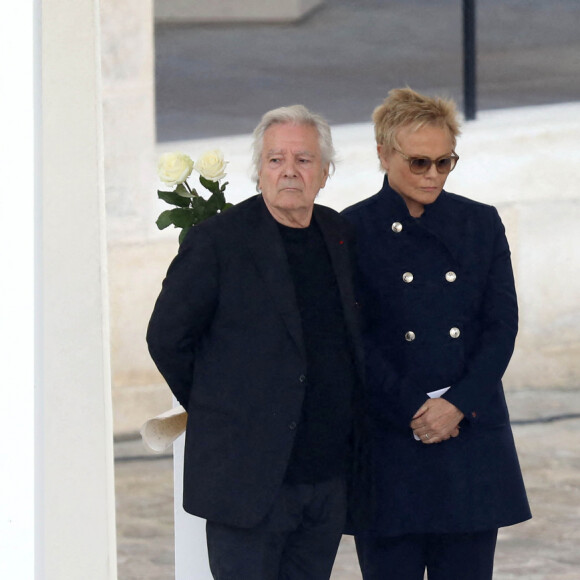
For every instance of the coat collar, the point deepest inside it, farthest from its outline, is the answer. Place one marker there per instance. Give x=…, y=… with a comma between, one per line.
x=442, y=219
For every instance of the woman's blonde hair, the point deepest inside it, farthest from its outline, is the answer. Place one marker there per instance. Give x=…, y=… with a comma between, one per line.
x=407, y=108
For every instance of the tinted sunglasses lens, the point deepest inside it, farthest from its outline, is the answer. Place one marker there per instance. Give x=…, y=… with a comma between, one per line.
x=420, y=164
x=445, y=165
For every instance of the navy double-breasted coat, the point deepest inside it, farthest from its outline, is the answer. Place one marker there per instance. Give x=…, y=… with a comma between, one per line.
x=440, y=310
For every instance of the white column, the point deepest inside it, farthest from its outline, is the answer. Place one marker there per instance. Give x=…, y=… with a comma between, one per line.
x=18, y=36
x=190, y=544
x=75, y=483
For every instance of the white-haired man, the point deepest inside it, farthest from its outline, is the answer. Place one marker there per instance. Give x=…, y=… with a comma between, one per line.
x=255, y=331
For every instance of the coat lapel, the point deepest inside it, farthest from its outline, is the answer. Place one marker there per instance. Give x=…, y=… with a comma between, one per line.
x=338, y=250
x=341, y=259
x=269, y=255
x=447, y=226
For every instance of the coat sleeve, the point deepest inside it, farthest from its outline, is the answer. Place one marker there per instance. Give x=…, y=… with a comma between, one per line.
x=498, y=318
x=391, y=397
x=184, y=310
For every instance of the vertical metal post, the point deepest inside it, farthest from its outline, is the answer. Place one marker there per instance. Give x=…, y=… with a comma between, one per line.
x=469, y=72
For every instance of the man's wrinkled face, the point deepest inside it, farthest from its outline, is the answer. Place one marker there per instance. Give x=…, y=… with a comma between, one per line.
x=292, y=171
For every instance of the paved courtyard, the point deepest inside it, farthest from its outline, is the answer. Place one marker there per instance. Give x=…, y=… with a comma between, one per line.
x=547, y=431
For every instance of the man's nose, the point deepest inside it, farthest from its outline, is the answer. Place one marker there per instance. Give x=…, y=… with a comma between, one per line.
x=290, y=168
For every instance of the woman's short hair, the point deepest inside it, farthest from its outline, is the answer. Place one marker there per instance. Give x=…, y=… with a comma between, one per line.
x=407, y=108
x=296, y=115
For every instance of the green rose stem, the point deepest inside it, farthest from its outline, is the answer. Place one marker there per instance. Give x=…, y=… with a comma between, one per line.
x=191, y=191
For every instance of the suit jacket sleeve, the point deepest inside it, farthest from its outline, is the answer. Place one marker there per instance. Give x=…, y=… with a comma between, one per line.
x=498, y=317
x=391, y=397
x=184, y=310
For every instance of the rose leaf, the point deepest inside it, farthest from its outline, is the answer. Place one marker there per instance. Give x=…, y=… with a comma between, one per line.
x=173, y=198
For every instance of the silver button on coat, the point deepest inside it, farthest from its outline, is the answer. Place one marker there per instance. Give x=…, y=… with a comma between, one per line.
x=408, y=277
x=410, y=336
x=451, y=276
x=454, y=332
x=397, y=227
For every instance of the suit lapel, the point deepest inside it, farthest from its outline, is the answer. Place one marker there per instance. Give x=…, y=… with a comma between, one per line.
x=339, y=251
x=269, y=255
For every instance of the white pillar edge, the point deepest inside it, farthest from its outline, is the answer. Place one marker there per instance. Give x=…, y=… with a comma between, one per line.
x=18, y=76
x=75, y=503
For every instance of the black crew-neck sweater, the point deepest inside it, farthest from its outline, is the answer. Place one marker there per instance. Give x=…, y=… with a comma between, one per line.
x=321, y=445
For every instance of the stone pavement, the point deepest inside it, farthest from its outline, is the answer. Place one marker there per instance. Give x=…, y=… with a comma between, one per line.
x=547, y=432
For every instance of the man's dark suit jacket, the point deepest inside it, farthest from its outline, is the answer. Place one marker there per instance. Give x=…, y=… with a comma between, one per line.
x=226, y=335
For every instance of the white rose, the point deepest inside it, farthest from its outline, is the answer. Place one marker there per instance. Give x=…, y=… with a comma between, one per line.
x=174, y=168
x=211, y=165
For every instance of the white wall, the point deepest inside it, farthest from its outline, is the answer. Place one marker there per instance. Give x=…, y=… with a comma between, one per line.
x=128, y=92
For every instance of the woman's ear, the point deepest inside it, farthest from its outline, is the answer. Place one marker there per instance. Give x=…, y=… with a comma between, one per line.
x=383, y=158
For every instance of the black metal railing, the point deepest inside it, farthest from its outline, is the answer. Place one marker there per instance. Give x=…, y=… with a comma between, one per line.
x=469, y=61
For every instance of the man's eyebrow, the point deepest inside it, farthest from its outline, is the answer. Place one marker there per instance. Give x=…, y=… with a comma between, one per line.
x=283, y=152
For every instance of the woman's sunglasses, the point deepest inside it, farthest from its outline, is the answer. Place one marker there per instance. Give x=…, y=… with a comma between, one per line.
x=420, y=165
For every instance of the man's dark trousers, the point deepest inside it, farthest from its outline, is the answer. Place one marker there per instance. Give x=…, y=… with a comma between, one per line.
x=297, y=540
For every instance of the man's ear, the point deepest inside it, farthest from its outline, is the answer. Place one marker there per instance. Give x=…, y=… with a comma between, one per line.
x=325, y=174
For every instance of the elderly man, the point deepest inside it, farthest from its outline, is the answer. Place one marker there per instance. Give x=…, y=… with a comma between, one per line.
x=255, y=331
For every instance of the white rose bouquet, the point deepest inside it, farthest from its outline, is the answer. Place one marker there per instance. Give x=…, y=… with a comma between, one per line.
x=173, y=170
